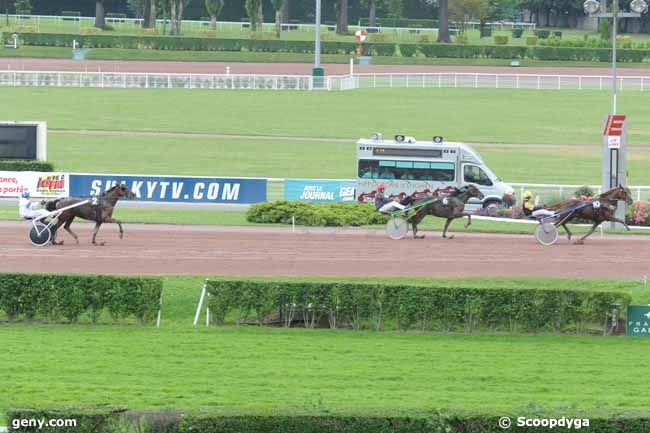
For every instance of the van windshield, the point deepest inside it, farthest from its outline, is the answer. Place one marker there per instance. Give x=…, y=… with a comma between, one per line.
x=406, y=170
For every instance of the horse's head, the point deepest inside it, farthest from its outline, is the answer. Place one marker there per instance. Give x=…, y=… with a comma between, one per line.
x=119, y=190
x=473, y=191
x=619, y=193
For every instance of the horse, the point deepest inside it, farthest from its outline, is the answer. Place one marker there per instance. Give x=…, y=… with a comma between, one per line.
x=98, y=209
x=450, y=207
x=605, y=210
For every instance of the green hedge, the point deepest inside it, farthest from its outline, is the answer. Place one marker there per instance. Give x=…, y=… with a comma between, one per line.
x=56, y=296
x=113, y=421
x=331, y=47
x=306, y=214
x=20, y=165
x=371, y=306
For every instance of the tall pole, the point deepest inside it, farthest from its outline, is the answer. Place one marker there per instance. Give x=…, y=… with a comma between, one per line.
x=614, y=24
x=317, y=50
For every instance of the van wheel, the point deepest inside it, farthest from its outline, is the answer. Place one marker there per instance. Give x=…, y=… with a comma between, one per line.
x=491, y=206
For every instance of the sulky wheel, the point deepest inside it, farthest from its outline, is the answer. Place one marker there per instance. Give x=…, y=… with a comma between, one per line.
x=40, y=234
x=546, y=234
x=397, y=227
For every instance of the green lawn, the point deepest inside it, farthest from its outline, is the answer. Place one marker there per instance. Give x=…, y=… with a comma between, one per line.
x=479, y=115
x=252, y=369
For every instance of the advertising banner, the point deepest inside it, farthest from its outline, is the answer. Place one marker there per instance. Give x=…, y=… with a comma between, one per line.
x=39, y=184
x=175, y=189
x=638, y=320
x=319, y=190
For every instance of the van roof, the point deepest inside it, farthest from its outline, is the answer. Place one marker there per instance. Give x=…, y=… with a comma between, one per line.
x=414, y=144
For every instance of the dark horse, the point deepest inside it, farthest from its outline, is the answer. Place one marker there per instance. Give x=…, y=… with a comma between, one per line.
x=450, y=207
x=100, y=212
x=598, y=210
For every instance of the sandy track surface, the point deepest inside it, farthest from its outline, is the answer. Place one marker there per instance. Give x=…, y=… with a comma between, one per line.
x=204, y=250
x=34, y=64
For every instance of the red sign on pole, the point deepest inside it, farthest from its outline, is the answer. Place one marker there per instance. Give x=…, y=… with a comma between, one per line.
x=614, y=125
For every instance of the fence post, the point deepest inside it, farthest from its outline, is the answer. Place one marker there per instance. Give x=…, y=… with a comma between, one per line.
x=169, y=81
x=407, y=81
x=580, y=83
x=439, y=81
x=455, y=80
x=517, y=81
x=476, y=81
x=642, y=83
x=423, y=81
x=391, y=81
x=539, y=82
x=58, y=79
x=638, y=194
x=601, y=83
x=146, y=81
x=374, y=81
x=559, y=81
x=496, y=80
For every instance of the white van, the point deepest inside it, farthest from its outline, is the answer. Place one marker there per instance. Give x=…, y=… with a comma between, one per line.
x=405, y=165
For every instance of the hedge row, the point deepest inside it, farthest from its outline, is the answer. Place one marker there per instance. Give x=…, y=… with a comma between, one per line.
x=331, y=47
x=20, y=165
x=307, y=214
x=413, y=307
x=56, y=296
x=107, y=421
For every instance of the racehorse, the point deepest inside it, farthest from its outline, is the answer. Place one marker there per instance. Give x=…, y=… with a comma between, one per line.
x=450, y=207
x=98, y=209
x=598, y=210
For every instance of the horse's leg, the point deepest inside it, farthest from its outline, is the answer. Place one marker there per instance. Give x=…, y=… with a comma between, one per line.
x=566, y=229
x=444, y=232
x=67, y=229
x=118, y=222
x=616, y=220
x=469, y=220
x=55, y=230
x=593, y=229
x=98, y=224
x=415, y=220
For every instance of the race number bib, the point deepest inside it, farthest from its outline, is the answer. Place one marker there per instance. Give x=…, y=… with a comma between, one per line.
x=596, y=204
x=445, y=201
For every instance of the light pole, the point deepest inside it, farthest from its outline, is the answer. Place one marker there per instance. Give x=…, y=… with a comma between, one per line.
x=614, y=158
x=318, y=71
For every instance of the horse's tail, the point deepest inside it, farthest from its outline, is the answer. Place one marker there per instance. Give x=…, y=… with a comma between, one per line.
x=51, y=205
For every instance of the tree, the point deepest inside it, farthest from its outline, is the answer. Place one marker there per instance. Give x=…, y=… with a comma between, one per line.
x=462, y=11
x=100, y=14
x=213, y=7
x=342, y=17
x=23, y=7
x=253, y=11
x=395, y=8
x=149, y=14
x=176, y=15
x=278, y=5
x=443, y=21
x=372, y=11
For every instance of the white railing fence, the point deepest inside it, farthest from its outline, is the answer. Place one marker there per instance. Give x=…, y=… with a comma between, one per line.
x=546, y=193
x=18, y=78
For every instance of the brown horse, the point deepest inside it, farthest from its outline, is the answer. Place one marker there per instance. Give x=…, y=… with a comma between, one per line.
x=98, y=209
x=450, y=207
x=598, y=210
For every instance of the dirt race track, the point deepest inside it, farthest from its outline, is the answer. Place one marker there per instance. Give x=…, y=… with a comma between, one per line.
x=204, y=250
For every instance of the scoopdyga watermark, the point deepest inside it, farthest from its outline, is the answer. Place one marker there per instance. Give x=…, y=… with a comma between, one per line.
x=548, y=423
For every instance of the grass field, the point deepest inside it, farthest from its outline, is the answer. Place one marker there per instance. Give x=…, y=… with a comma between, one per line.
x=302, y=371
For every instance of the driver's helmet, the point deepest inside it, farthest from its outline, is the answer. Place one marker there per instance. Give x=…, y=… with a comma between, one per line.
x=527, y=195
x=381, y=187
x=25, y=194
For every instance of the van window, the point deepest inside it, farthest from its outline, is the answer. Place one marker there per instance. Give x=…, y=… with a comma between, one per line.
x=474, y=174
x=406, y=170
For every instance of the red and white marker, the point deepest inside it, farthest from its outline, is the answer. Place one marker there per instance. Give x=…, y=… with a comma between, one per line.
x=360, y=35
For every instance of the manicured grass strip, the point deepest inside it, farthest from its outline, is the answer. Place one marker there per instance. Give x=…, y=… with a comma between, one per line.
x=473, y=115
x=295, y=371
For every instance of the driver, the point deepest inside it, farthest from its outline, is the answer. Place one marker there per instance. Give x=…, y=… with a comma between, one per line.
x=29, y=210
x=385, y=204
x=531, y=210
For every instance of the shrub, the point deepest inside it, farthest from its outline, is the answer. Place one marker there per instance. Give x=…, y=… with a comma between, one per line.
x=325, y=214
x=542, y=34
x=108, y=28
x=378, y=37
x=421, y=307
x=89, y=31
x=263, y=35
x=501, y=40
x=461, y=39
x=424, y=38
x=584, y=191
x=557, y=34
x=486, y=32
x=517, y=33
x=604, y=30
x=531, y=40
x=150, y=31
x=407, y=50
x=20, y=165
x=52, y=296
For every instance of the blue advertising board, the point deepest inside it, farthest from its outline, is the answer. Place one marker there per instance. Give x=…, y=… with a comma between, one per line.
x=319, y=190
x=174, y=188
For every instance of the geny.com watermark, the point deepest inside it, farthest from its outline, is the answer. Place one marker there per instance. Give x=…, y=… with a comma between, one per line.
x=564, y=422
x=43, y=423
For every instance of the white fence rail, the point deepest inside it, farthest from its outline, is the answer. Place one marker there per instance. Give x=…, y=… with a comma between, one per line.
x=305, y=82
x=488, y=81
x=154, y=81
x=546, y=191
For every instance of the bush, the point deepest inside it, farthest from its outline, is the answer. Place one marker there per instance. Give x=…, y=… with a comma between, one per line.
x=542, y=34
x=325, y=214
x=584, y=191
x=531, y=40
x=461, y=39
x=517, y=33
x=20, y=165
x=424, y=38
x=150, y=32
x=557, y=35
x=90, y=31
x=373, y=306
x=108, y=28
x=407, y=50
x=486, y=32
x=378, y=37
x=500, y=40
x=56, y=296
